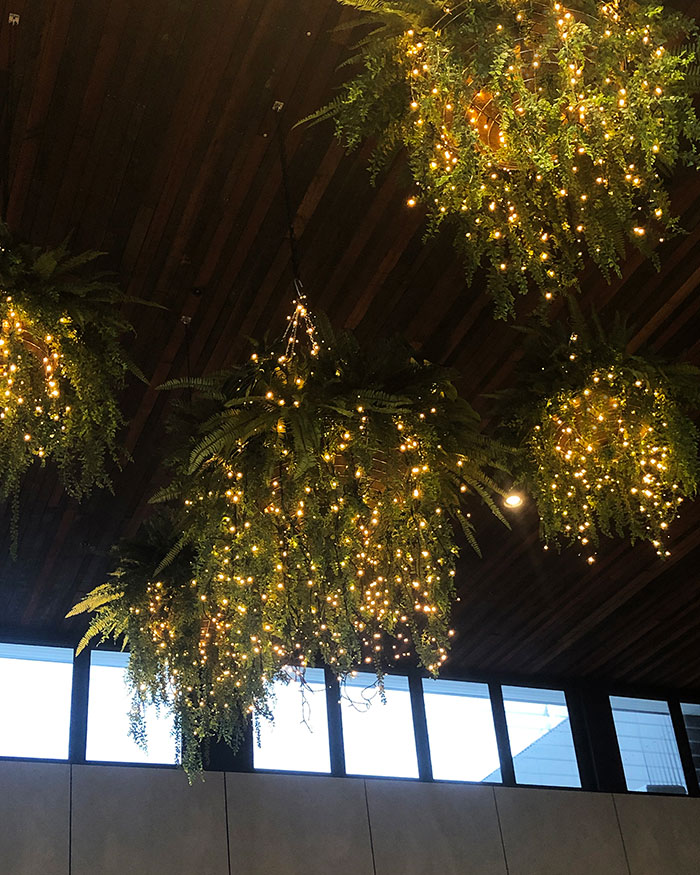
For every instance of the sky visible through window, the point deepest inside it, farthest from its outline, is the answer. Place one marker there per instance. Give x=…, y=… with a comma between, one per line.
x=109, y=704
x=36, y=690
x=378, y=730
x=297, y=738
x=378, y=738
x=460, y=730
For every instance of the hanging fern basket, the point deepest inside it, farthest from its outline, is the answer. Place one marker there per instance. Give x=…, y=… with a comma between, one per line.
x=607, y=446
x=318, y=500
x=61, y=367
x=538, y=131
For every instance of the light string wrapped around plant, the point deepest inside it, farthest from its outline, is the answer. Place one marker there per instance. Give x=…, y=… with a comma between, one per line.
x=161, y=620
x=538, y=129
x=318, y=498
x=61, y=367
x=606, y=443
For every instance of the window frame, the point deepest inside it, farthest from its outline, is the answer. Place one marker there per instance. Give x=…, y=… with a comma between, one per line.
x=595, y=742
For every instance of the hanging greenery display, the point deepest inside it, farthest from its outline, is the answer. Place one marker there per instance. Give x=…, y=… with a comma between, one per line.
x=318, y=499
x=539, y=130
x=61, y=365
x=606, y=443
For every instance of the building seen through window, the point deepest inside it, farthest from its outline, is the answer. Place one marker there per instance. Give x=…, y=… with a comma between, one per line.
x=539, y=732
x=35, y=684
x=648, y=745
x=691, y=718
x=461, y=732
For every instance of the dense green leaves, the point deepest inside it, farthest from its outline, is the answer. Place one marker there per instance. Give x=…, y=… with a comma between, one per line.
x=314, y=507
x=606, y=444
x=537, y=131
x=61, y=366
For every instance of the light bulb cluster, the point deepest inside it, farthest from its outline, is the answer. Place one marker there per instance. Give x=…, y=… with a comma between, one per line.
x=33, y=414
x=613, y=456
x=535, y=128
x=62, y=366
x=318, y=507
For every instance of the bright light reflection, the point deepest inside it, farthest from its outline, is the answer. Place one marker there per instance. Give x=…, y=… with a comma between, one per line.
x=36, y=693
x=297, y=738
x=378, y=737
x=109, y=703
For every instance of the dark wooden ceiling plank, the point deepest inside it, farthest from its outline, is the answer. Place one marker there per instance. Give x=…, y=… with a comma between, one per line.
x=624, y=593
x=52, y=42
x=63, y=112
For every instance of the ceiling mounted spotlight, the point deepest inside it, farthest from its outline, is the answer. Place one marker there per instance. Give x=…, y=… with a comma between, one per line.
x=513, y=500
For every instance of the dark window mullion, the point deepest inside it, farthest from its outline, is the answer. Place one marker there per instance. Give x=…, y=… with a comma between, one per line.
x=420, y=726
x=335, y=725
x=499, y=720
x=584, y=753
x=80, y=691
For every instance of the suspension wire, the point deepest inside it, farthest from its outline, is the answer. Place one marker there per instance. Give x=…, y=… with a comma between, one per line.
x=300, y=317
x=187, y=321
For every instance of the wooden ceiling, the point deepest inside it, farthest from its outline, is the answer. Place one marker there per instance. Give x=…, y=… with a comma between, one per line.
x=146, y=129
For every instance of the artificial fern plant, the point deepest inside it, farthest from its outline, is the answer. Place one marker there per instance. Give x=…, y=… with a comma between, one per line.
x=606, y=445
x=317, y=497
x=61, y=367
x=539, y=132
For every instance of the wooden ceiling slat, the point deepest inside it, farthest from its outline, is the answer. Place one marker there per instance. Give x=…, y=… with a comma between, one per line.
x=147, y=129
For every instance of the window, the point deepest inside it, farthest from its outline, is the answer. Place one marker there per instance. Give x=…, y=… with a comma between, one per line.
x=691, y=717
x=109, y=703
x=36, y=691
x=460, y=731
x=378, y=735
x=540, y=737
x=648, y=745
x=297, y=738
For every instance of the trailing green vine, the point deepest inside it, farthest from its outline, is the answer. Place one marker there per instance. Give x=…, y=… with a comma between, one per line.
x=539, y=130
x=606, y=443
x=61, y=367
x=317, y=499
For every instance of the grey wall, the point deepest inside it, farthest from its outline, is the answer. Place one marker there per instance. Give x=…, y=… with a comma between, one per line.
x=109, y=820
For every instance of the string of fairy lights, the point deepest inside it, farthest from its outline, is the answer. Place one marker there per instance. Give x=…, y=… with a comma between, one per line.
x=480, y=106
x=612, y=454
x=30, y=374
x=536, y=128
x=321, y=527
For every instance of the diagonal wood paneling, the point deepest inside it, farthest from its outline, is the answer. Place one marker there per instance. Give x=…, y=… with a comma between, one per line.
x=146, y=129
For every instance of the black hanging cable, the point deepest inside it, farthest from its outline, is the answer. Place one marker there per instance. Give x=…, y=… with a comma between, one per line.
x=294, y=253
x=187, y=321
x=300, y=317
x=8, y=116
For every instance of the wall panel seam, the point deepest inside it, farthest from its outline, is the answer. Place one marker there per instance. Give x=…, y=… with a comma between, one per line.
x=500, y=830
x=622, y=838
x=369, y=828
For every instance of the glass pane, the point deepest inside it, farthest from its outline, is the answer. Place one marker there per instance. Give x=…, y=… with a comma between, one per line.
x=647, y=745
x=35, y=684
x=297, y=738
x=109, y=703
x=540, y=737
x=691, y=716
x=460, y=731
x=378, y=736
